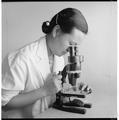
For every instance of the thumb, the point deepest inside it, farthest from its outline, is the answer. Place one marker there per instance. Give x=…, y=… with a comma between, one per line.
x=59, y=77
x=58, y=84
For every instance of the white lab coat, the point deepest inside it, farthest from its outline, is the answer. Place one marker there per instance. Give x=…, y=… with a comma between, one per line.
x=25, y=70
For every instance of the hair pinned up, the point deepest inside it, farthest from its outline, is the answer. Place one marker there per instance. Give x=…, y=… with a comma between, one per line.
x=45, y=27
x=67, y=19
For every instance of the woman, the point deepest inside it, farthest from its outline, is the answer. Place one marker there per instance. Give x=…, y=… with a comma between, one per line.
x=30, y=80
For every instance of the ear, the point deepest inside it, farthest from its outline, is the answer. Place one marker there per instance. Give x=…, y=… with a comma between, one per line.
x=56, y=31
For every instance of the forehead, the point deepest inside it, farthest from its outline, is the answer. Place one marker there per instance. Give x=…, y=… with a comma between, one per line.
x=76, y=36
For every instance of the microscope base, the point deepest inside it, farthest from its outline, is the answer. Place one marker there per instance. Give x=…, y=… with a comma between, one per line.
x=70, y=109
x=75, y=105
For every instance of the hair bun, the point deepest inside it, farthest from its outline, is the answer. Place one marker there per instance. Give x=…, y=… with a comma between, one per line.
x=45, y=27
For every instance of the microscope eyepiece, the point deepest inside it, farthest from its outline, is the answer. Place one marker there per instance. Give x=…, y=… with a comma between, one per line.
x=74, y=60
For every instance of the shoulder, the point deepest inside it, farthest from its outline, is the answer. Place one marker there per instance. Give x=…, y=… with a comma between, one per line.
x=31, y=48
x=25, y=53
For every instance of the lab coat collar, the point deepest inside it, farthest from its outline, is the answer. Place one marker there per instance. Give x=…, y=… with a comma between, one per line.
x=42, y=48
x=58, y=64
x=44, y=60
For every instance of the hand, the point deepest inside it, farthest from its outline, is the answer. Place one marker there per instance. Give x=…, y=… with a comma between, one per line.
x=84, y=88
x=66, y=87
x=52, y=84
x=81, y=87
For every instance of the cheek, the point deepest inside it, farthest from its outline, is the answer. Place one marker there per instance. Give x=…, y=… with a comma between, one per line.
x=64, y=42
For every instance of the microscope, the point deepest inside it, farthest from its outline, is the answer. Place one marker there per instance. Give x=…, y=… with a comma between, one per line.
x=70, y=99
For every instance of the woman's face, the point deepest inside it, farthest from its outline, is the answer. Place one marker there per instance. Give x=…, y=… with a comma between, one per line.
x=63, y=40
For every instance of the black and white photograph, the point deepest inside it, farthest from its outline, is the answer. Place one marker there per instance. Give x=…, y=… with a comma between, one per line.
x=59, y=59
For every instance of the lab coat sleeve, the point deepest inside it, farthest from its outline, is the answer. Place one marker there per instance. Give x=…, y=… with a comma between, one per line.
x=13, y=77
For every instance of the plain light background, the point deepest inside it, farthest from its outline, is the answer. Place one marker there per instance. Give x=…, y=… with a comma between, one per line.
x=21, y=24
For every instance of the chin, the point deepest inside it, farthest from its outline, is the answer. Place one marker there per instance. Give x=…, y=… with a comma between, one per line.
x=61, y=54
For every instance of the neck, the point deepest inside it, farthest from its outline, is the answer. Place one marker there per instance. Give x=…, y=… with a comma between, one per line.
x=48, y=39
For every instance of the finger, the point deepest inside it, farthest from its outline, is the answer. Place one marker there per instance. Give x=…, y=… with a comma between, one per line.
x=58, y=82
x=59, y=88
x=58, y=85
x=55, y=79
x=67, y=85
x=84, y=87
x=90, y=91
x=88, y=88
x=59, y=77
x=80, y=85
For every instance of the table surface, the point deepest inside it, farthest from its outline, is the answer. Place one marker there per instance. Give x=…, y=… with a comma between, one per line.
x=103, y=106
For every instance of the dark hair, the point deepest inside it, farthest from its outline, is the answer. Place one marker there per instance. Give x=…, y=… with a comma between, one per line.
x=67, y=19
